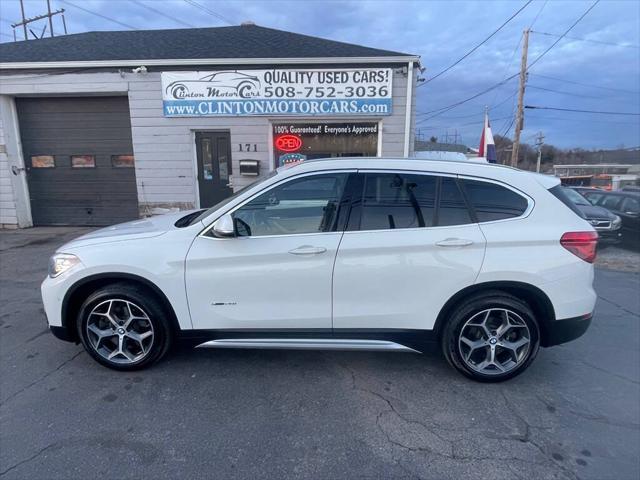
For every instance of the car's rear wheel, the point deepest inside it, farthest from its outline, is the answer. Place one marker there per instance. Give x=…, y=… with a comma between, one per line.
x=124, y=327
x=491, y=337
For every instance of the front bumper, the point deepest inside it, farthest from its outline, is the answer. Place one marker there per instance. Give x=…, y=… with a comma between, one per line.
x=565, y=330
x=63, y=333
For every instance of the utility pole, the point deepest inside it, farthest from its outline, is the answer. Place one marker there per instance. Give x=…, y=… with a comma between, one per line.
x=25, y=21
x=520, y=112
x=539, y=143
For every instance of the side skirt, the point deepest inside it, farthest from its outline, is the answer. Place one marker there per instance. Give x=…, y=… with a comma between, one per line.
x=307, y=344
x=313, y=339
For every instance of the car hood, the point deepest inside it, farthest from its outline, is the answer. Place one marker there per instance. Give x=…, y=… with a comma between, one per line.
x=136, y=229
x=593, y=212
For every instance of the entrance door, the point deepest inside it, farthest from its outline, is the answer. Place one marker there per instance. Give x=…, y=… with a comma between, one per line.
x=214, y=167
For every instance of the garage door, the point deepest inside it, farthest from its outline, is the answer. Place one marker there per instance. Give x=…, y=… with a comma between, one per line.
x=79, y=160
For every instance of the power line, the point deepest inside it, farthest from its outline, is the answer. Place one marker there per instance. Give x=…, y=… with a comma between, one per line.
x=477, y=46
x=473, y=114
x=581, y=111
x=99, y=15
x=440, y=111
x=537, y=116
x=629, y=45
x=560, y=92
x=162, y=14
x=585, y=84
x=539, y=57
x=513, y=56
x=209, y=11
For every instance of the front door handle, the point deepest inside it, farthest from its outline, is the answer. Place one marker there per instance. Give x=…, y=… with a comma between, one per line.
x=454, y=242
x=307, y=250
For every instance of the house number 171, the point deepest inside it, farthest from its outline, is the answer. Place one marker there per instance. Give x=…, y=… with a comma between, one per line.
x=248, y=147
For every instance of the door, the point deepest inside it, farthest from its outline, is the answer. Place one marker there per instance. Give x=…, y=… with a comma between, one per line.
x=214, y=167
x=79, y=160
x=409, y=246
x=276, y=272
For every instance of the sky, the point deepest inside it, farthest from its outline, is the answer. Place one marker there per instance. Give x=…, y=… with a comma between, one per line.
x=598, y=69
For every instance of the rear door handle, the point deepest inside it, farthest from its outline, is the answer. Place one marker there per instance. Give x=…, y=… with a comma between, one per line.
x=454, y=242
x=307, y=250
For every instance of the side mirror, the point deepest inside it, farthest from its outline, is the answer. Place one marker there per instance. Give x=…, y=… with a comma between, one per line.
x=224, y=227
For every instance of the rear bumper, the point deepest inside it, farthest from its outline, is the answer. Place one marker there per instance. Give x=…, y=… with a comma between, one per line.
x=562, y=331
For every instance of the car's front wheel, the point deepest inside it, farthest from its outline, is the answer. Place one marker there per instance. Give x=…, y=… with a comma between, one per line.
x=491, y=337
x=124, y=327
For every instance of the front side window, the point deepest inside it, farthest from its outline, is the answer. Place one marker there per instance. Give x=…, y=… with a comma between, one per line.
x=610, y=202
x=631, y=205
x=494, y=202
x=305, y=205
x=395, y=200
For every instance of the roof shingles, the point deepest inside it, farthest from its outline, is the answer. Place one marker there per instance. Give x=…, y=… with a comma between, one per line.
x=246, y=41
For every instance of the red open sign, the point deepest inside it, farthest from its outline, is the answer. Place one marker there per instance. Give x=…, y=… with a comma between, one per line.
x=288, y=143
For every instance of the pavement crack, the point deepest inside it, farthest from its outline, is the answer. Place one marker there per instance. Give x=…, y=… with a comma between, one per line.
x=29, y=459
x=44, y=377
x=635, y=314
x=526, y=438
x=608, y=372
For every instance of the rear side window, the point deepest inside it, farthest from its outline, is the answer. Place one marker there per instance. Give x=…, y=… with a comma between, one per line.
x=393, y=200
x=493, y=202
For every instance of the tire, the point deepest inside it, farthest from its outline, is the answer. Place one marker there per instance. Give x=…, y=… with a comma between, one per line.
x=118, y=318
x=481, y=337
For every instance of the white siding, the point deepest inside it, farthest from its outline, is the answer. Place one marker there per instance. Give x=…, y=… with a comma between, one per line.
x=164, y=148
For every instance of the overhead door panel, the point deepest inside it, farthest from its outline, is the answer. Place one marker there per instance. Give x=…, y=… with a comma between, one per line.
x=79, y=159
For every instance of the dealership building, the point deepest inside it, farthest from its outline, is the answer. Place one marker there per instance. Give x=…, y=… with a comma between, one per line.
x=102, y=127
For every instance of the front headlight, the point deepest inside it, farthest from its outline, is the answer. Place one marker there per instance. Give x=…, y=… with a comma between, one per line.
x=617, y=221
x=61, y=262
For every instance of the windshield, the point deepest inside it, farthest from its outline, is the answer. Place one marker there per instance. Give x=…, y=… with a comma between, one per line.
x=227, y=200
x=575, y=197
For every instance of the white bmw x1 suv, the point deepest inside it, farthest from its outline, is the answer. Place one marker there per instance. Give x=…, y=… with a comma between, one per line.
x=365, y=254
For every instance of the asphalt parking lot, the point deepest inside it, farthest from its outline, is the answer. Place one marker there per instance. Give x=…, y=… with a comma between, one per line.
x=574, y=414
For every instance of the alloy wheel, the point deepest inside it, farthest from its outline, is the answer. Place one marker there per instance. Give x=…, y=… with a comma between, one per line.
x=120, y=331
x=494, y=341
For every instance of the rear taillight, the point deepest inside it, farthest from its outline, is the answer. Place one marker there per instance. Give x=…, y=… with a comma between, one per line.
x=581, y=244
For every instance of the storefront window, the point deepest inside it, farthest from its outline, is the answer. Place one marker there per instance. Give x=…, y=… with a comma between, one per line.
x=297, y=142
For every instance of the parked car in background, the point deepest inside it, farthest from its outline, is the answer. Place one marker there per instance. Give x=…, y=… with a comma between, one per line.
x=583, y=190
x=624, y=204
x=631, y=188
x=607, y=224
x=488, y=262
